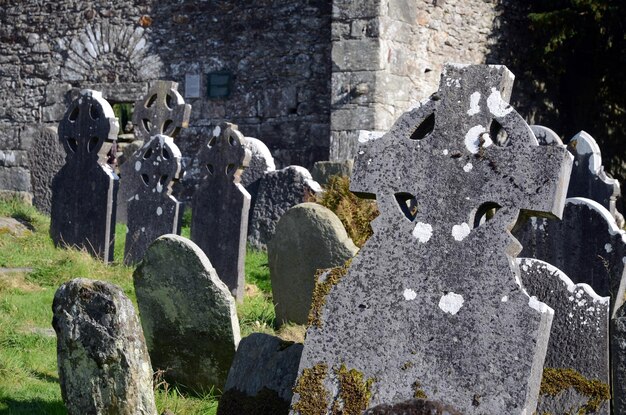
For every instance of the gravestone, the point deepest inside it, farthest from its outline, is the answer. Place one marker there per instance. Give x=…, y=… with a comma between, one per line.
x=45, y=157
x=430, y=306
x=278, y=191
x=261, y=377
x=161, y=111
x=103, y=362
x=84, y=191
x=308, y=237
x=152, y=211
x=323, y=170
x=579, y=339
x=220, y=206
x=586, y=245
x=188, y=315
x=261, y=162
x=618, y=359
x=545, y=136
x=588, y=177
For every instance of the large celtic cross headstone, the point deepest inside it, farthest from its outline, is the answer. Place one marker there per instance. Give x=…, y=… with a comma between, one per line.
x=220, y=206
x=152, y=210
x=84, y=190
x=432, y=305
x=161, y=111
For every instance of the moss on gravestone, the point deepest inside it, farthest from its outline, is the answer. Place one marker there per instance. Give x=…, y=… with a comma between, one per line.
x=556, y=380
x=313, y=395
x=354, y=391
x=322, y=289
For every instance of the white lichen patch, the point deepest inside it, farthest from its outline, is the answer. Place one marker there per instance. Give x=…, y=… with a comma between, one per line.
x=216, y=131
x=422, y=232
x=409, y=294
x=451, y=303
x=504, y=298
x=445, y=152
x=608, y=248
x=159, y=211
x=460, y=232
x=474, y=100
x=472, y=138
x=468, y=167
x=137, y=165
x=497, y=106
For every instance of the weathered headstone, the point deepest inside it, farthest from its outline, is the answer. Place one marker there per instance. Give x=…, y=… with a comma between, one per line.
x=323, y=170
x=161, y=111
x=188, y=315
x=104, y=367
x=421, y=309
x=579, y=339
x=586, y=245
x=545, y=136
x=220, y=206
x=262, y=376
x=84, y=191
x=308, y=237
x=261, y=162
x=152, y=211
x=588, y=177
x=278, y=191
x=46, y=157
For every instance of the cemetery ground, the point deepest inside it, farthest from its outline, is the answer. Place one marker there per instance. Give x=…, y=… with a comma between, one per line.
x=31, y=269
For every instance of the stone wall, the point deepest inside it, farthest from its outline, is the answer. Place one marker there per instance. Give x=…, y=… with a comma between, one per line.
x=278, y=52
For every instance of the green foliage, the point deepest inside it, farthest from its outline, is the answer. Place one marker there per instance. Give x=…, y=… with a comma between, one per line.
x=355, y=213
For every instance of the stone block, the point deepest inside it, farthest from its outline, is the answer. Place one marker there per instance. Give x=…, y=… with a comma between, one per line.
x=322, y=170
x=357, y=55
x=46, y=157
x=15, y=179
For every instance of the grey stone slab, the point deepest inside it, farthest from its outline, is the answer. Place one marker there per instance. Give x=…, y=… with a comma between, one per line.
x=46, y=157
x=579, y=339
x=13, y=227
x=261, y=162
x=278, y=191
x=417, y=309
x=103, y=362
x=220, y=206
x=262, y=376
x=308, y=237
x=188, y=315
x=588, y=177
x=322, y=170
x=84, y=191
x=152, y=210
x=545, y=136
x=586, y=245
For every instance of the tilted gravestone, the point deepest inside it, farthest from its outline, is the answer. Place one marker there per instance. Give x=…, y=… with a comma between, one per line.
x=261, y=377
x=308, y=237
x=579, y=339
x=46, y=157
x=430, y=306
x=152, y=211
x=161, y=111
x=588, y=177
x=84, y=191
x=103, y=362
x=220, y=206
x=278, y=191
x=188, y=315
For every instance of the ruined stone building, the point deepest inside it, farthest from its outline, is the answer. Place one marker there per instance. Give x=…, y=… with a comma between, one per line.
x=304, y=76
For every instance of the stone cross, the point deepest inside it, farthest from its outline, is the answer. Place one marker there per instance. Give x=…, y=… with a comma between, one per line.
x=220, y=206
x=84, y=191
x=432, y=305
x=152, y=210
x=161, y=111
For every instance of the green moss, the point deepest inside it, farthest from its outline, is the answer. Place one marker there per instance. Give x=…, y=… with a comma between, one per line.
x=556, y=380
x=266, y=402
x=354, y=391
x=322, y=289
x=418, y=391
x=313, y=395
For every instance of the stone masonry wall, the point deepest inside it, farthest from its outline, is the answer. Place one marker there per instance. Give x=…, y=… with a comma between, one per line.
x=278, y=52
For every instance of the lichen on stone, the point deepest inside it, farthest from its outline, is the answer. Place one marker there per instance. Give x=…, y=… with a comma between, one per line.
x=322, y=289
x=418, y=391
x=354, y=392
x=556, y=380
x=313, y=395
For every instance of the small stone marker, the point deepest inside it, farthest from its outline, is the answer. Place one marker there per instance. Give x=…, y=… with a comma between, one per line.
x=588, y=177
x=188, y=315
x=153, y=211
x=220, y=206
x=262, y=376
x=278, y=191
x=161, y=111
x=104, y=367
x=84, y=191
x=46, y=157
x=308, y=237
x=430, y=306
x=579, y=339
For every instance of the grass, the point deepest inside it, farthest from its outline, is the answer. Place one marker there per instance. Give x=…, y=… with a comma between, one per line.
x=28, y=372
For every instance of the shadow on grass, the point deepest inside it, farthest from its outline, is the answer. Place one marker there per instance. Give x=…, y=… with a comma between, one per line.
x=36, y=406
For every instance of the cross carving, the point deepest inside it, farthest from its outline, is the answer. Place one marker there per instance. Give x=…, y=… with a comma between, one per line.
x=225, y=155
